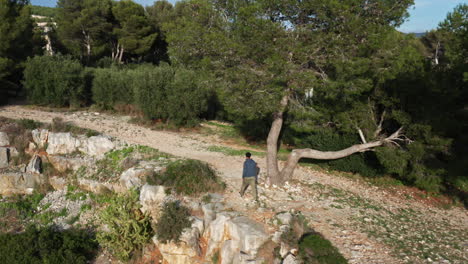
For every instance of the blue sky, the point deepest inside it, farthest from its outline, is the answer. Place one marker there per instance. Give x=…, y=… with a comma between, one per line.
x=424, y=15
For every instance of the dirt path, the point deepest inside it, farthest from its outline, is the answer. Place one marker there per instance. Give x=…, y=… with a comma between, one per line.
x=366, y=223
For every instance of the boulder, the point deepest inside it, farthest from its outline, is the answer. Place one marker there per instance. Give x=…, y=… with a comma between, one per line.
x=40, y=137
x=63, y=164
x=237, y=238
x=4, y=157
x=4, y=140
x=152, y=199
x=58, y=183
x=284, y=218
x=249, y=234
x=21, y=183
x=133, y=177
x=290, y=259
x=93, y=186
x=62, y=143
x=34, y=165
x=187, y=249
x=97, y=146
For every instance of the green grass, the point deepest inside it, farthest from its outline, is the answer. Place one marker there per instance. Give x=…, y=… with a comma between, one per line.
x=113, y=163
x=234, y=152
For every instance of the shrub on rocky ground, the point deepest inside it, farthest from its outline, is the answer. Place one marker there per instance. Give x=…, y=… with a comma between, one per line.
x=47, y=246
x=174, y=218
x=190, y=177
x=127, y=228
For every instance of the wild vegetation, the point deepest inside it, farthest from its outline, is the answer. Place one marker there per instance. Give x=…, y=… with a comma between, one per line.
x=334, y=82
x=365, y=85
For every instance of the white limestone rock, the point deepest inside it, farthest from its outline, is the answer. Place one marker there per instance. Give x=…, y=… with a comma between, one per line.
x=97, y=146
x=133, y=178
x=4, y=157
x=4, y=140
x=40, y=137
x=62, y=163
x=62, y=143
x=34, y=165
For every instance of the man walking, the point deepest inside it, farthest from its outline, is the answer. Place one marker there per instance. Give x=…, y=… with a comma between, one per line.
x=249, y=176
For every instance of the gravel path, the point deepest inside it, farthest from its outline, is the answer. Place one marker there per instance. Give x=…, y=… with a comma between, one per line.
x=366, y=223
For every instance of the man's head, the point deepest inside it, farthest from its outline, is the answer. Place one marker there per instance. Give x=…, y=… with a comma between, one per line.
x=248, y=155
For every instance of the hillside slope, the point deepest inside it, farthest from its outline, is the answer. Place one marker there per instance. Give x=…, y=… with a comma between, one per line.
x=366, y=223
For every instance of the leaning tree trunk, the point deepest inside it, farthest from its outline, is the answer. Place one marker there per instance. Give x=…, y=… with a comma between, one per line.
x=277, y=177
x=273, y=171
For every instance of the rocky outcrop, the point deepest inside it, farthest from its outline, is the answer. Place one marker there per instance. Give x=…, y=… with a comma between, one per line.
x=62, y=163
x=34, y=165
x=66, y=143
x=21, y=183
x=62, y=143
x=96, y=146
x=40, y=137
x=152, y=198
x=4, y=140
x=236, y=238
x=93, y=186
x=134, y=177
x=187, y=249
x=4, y=157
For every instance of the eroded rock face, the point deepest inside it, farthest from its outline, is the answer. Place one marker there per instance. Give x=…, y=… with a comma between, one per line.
x=96, y=146
x=93, y=186
x=237, y=238
x=21, y=183
x=4, y=158
x=188, y=247
x=58, y=183
x=62, y=143
x=63, y=164
x=133, y=177
x=40, y=137
x=4, y=140
x=34, y=165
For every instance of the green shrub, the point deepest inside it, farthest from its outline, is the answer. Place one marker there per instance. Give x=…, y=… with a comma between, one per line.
x=190, y=177
x=112, y=86
x=55, y=81
x=315, y=249
x=174, y=95
x=128, y=228
x=25, y=206
x=47, y=246
x=173, y=220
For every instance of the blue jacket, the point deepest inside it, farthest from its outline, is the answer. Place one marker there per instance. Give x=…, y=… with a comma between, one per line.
x=250, y=168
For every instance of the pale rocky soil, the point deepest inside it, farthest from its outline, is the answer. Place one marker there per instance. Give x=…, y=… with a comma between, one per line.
x=368, y=224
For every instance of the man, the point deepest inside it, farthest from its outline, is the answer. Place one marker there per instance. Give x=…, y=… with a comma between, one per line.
x=249, y=176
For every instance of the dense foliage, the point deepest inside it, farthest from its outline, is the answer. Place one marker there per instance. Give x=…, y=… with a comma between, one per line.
x=48, y=246
x=18, y=41
x=189, y=177
x=43, y=11
x=128, y=229
x=174, y=219
x=55, y=80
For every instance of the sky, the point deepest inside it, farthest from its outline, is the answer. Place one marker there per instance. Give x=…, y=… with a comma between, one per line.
x=424, y=15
